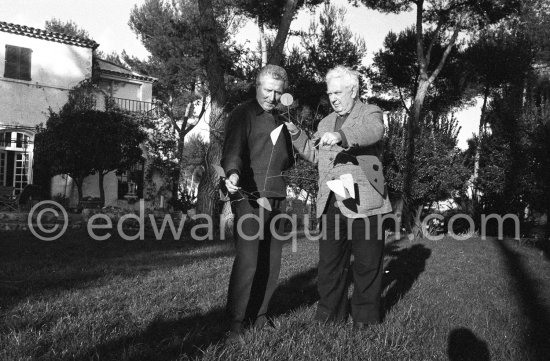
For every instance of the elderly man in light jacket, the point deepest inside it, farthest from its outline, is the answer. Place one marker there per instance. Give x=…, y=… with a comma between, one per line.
x=347, y=149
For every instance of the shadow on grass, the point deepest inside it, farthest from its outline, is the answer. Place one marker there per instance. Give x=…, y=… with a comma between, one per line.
x=187, y=338
x=403, y=269
x=536, y=337
x=464, y=345
x=165, y=340
x=77, y=262
x=75, y=245
x=544, y=246
x=298, y=291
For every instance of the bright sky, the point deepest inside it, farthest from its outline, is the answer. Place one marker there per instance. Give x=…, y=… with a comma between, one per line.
x=107, y=23
x=105, y=20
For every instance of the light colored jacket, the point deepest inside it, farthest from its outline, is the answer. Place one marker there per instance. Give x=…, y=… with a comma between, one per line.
x=364, y=131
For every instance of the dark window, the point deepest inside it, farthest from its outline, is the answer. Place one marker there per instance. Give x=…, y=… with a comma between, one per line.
x=22, y=140
x=5, y=139
x=18, y=63
x=130, y=182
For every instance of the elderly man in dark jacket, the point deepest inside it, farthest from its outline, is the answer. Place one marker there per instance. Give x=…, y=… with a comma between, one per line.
x=257, y=148
x=347, y=149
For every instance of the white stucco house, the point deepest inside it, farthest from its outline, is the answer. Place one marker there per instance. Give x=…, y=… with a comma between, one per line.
x=37, y=70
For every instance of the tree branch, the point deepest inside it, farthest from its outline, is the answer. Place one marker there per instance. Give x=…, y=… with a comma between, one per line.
x=457, y=5
x=174, y=124
x=193, y=125
x=190, y=109
x=168, y=111
x=403, y=101
x=276, y=56
x=447, y=52
x=432, y=42
x=423, y=67
x=203, y=108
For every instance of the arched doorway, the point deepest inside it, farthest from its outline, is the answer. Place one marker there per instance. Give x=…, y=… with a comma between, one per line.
x=16, y=148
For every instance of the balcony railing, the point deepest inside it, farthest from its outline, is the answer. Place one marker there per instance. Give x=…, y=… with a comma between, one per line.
x=137, y=106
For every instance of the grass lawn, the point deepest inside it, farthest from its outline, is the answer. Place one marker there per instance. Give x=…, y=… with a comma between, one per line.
x=79, y=299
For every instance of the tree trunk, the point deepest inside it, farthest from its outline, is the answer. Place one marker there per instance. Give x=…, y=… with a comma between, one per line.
x=408, y=172
x=101, y=188
x=78, y=181
x=277, y=50
x=179, y=175
x=517, y=164
x=207, y=194
x=475, y=191
x=424, y=83
x=417, y=230
x=263, y=43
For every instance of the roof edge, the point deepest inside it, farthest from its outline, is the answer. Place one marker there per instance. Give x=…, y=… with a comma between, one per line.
x=130, y=76
x=47, y=35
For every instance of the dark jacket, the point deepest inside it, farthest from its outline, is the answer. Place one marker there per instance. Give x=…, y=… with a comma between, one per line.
x=248, y=150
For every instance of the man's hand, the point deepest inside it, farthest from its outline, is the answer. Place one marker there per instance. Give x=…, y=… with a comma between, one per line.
x=331, y=138
x=292, y=129
x=231, y=183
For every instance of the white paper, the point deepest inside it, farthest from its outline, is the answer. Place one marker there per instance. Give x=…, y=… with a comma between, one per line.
x=347, y=180
x=337, y=186
x=275, y=134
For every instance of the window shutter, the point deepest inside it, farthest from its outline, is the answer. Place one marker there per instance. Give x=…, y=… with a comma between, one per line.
x=25, y=64
x=11, y=69
x=18, y=63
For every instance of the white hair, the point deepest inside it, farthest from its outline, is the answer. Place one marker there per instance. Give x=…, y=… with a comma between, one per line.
x=348, y=75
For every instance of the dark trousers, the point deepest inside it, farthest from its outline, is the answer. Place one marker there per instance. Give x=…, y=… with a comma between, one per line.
x=257, y=261
x=334, y=262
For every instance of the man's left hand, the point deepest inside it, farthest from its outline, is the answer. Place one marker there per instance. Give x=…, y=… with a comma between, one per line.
x=331, y=138
x=292, y=128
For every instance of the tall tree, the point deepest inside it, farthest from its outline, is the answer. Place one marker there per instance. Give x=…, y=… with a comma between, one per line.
x=87, y=142
x=206, y=202
x=538, y=118
x=170, y=31
x=395, y=74
x=440, y=171
x=494, y=59
x=116, y=142
x=277, y=15
x=446, y=20
x=80, y=140
x=66, y=27
x=60, y=146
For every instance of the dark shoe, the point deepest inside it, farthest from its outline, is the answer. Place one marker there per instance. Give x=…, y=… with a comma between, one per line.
x=321, y=318
x=360, y=326
x=235, y=335
x=262, y=322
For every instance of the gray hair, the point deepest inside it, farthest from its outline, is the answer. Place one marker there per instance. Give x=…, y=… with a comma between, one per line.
x=275, y=72
x=348, y=75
